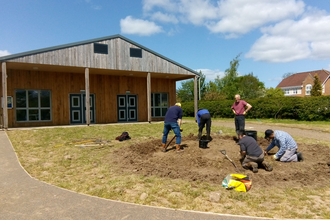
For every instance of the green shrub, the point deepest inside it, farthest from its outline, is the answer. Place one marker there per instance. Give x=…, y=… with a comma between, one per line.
x=299, y=108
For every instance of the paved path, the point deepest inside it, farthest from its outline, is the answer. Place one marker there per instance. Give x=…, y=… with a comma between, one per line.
x=23, y=197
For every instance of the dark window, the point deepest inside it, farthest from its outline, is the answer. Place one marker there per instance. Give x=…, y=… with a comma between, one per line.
x=159, y=104
x=135, y=52
x=33, y=105
x=100, y=48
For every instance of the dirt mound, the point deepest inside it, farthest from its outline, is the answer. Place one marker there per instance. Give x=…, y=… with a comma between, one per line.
x=209, y=165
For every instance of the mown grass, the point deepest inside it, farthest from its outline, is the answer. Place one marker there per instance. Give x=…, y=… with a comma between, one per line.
x=50, y=156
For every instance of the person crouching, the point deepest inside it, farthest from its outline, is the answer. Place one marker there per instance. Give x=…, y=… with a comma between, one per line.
x=251, y=153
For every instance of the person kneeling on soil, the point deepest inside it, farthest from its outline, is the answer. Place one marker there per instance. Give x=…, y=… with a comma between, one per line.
x=204, y=117
x=173, y=119
x=287, y=146
x=251, y=152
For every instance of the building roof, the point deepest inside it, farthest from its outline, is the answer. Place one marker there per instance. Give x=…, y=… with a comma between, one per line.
x=33, y=52
x=297, y=79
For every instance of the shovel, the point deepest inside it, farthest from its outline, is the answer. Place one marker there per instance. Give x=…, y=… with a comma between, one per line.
x=224, y=153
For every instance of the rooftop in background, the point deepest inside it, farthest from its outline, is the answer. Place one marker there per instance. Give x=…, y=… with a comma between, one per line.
x=297, y=79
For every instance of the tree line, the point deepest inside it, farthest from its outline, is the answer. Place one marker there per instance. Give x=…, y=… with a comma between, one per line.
x=248, y=86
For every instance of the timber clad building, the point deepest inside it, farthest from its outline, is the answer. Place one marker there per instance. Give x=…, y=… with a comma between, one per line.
x=126, y=82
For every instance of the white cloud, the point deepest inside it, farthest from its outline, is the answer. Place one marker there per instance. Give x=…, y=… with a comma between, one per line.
x=292, y=40
x=93, y=6
x=211, y=74
x=241, y=16
x=167, y=18
x=141, y=27
x=231, y=17
x=278, y=79
x=4, y=53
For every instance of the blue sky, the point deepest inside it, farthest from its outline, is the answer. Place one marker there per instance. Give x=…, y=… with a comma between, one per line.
x=274, y=37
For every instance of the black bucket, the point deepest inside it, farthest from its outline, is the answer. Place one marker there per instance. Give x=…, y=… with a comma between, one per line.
x=203, y=143
x=252, y=134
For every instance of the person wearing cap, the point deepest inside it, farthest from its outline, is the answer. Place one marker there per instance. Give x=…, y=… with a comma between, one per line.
x=251, y=153
x=173, y=120
x=287, y=146
x=204, y=118
x=239, y=110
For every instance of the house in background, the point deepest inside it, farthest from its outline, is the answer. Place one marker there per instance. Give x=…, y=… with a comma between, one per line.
x=300, y=84
x=125, y=82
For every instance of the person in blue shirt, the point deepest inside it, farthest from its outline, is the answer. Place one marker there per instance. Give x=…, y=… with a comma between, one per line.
x=173, y=120
x=287, y=146
x=204, y=118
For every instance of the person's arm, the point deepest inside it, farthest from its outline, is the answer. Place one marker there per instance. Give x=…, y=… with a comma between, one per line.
x=179, y=122
x=197, y=118
x=271, y=146
x=232, y=108
x=248, y=108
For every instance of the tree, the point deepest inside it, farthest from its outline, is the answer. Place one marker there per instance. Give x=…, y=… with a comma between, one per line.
x=228, y=84
x=317, y=87
x=249, y=86
x=274, y=93
x=212, y=92
x=186, y=92
x=286, y=75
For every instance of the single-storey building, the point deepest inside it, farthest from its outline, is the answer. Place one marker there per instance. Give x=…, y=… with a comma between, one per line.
x=300, y=84
x=125, y=82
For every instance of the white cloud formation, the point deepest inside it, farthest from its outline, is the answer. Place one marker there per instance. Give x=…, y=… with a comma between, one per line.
x=4, y=53
x=230, y=17
x=93, y=6
x=141, y=27
x=240, y=16
x=211, y=74
x=290, y=40
x=166, y=18
x=278, y=79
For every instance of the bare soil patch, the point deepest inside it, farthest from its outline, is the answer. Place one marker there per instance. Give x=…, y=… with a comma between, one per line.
x=209, y=165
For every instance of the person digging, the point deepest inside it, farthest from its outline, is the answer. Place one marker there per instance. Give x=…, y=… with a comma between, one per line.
x=204, y=118
x=287, y=146
x=251, y=153
x=173, y=120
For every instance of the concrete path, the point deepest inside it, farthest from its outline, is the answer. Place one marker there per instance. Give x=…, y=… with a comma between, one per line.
x=23, y=197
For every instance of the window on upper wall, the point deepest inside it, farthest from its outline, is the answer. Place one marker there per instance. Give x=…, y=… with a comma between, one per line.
x=100, y=48
x=159, y=104
x=286, y=91
x=294, y=91
x=308, y=89
x=135, y=52
x=33, y=105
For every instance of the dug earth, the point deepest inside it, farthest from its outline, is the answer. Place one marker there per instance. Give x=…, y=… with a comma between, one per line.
x=209, y=165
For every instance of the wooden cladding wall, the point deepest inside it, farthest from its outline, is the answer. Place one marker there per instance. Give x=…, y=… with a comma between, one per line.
x=105, y=87
x=118, y=58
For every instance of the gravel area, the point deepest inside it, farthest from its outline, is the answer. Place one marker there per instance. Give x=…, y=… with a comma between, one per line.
x=298, y=132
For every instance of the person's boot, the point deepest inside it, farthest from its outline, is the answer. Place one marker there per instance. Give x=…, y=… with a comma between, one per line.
x=300, y=156
x=209, y=138
x=199, y=136
x=164, y=147
x=178, y=148
x=267, y=166
x=253, y=166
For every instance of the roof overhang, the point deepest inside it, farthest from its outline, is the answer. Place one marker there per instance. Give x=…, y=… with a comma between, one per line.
x=81, y=70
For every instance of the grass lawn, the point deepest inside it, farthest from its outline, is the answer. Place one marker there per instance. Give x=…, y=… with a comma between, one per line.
x=57, y=156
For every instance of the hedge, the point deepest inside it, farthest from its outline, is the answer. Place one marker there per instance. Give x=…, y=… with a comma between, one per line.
x=299, y=108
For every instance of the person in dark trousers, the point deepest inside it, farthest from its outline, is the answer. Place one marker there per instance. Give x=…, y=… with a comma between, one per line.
x=173, y=120
x=287, y=146
x=240, y=112
x=204, y=118
x=251, y=153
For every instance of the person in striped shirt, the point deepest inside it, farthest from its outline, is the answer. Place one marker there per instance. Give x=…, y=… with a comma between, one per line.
x=287, y=146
